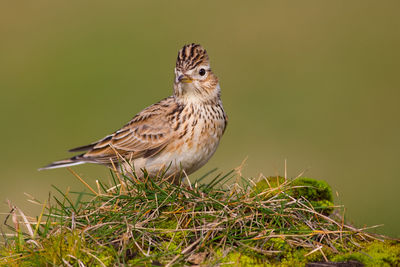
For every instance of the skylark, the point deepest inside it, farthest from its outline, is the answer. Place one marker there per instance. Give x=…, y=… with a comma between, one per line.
x=179, y=134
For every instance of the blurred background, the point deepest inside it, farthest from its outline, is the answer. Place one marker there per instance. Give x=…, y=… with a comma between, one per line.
x=313, y=82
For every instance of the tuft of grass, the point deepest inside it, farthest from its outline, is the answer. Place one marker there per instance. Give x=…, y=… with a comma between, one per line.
x=153, y=222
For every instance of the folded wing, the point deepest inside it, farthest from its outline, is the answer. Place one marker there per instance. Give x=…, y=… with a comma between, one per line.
x=145, y=135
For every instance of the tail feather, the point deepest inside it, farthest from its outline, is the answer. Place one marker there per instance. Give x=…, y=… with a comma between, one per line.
x=82, y=148
x=77, y=160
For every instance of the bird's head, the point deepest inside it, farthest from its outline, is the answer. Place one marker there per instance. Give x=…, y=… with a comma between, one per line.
x=194, y=80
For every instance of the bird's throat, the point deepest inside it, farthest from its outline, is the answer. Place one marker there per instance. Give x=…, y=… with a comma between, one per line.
x=191, y=94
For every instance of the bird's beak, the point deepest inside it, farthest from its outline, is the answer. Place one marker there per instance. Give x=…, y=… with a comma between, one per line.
x=184, y=79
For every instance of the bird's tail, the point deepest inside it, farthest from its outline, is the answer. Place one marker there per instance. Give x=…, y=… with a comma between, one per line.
x=77, y=160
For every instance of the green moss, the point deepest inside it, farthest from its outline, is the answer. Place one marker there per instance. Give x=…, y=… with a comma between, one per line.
x=172, y=246
x=271, y=185
x=277, y=244
x=375, y=253
x=236, y=258
x=67, y=246
x=172, y=239
x=318, y=193
x=289, y=257
x=294, y=257
x=313, y=190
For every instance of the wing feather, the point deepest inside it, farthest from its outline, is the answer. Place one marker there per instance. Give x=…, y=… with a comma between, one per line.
x=145, y=135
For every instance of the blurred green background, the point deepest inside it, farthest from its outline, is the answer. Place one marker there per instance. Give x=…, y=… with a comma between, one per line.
x=313, y=82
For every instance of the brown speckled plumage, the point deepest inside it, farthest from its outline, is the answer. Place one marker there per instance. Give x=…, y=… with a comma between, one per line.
x=179, y=133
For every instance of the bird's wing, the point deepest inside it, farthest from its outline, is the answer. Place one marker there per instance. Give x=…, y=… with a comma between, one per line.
x=145, y=135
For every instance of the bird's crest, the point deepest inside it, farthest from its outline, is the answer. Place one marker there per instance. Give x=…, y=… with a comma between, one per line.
x=190, y=56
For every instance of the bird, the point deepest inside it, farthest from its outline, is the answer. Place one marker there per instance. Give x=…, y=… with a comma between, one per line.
x=174, y=136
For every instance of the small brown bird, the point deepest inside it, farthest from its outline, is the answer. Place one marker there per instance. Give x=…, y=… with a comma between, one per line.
x=178, y=134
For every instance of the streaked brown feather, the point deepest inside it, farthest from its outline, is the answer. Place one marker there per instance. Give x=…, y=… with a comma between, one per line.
x=137, y=138
x=82, y=148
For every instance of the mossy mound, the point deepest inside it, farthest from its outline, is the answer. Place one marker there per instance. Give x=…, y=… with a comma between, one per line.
x=317, y=192
x=275, y=221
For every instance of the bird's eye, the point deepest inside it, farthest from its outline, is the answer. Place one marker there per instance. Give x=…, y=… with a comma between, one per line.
x=202, y=72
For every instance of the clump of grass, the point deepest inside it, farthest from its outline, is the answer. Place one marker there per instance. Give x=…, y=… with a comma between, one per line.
x=154, y=222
